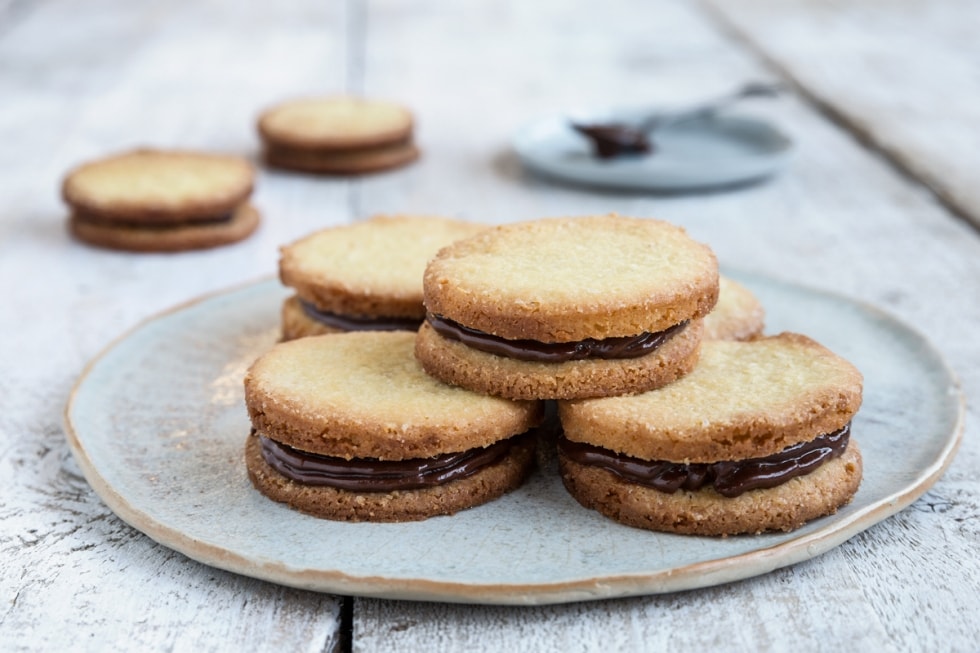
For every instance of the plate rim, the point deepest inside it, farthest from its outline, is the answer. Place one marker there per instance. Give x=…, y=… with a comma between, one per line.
x=782, y=554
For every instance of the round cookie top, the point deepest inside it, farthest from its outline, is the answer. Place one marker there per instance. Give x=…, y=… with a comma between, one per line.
x=363, y=395
x=568, y=279
x=335, y=123
x=159, y=185
x=738, y=315
x=743, y=400
x=372, y=267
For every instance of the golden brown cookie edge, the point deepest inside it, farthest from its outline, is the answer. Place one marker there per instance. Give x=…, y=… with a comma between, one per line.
x=186, y=237
x=350, y=162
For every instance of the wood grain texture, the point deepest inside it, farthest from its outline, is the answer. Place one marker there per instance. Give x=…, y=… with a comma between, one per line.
x=840, y=219
x=902, y=75
x=88, y=78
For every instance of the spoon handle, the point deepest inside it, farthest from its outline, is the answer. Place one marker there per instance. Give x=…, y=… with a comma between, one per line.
x=705, y=109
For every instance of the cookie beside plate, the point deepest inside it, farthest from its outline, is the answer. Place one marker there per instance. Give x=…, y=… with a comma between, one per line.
x=153, y=200
x=337, y=135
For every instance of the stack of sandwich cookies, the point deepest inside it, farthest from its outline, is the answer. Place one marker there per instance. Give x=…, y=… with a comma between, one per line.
x=567, y=308
x=338, y=135
x=156, y=200
x=363, y=276
x=348, y=427
x=738, y=315
x=756, y=438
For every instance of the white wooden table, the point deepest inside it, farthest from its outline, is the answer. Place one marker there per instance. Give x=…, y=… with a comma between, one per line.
x=878, y=206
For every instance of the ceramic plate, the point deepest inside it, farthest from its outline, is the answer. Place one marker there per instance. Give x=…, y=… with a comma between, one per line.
x=726, y=150
x=157, y=423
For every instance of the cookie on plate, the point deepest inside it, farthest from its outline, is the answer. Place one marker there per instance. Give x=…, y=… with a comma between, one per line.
x=151, y=200
x=738, y=315
x=567, y=308
x=756, y=438
x=363, y=276
x=337, y=135
x=348, y=427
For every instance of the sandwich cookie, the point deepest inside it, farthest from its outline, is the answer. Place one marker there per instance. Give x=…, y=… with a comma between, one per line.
x=567, y=308
x=756, y=438
x=738, y=315
x=365, y=276
x=348, y=427
x=337, y=135
x=160, y=201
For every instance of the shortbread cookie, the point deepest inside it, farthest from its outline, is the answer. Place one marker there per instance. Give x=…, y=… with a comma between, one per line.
x=738, y=315
x=363, y=276
x=338, y=135
x=756, y=438
x=348, y=427
x=567, y=308
x=159, y=200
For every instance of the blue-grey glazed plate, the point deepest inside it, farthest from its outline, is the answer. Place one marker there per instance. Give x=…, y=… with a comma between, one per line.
x=158, y=424
x=709, y=153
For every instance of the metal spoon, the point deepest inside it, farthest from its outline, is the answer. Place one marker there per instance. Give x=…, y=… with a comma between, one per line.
x=615, y=139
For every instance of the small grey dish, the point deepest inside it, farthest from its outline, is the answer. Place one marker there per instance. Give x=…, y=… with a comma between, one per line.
x=705, y=153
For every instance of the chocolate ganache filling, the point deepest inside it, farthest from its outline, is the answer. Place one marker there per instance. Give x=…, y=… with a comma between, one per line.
x=554, y=352
x=357, y=323
x=729, y=478
x=612, y=140
x=373, y=475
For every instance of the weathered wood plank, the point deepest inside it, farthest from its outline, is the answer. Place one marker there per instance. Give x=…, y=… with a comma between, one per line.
x=95, y=76
x=840, y=219
x=900, y=74
x=80, y=80
x=775, y=613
